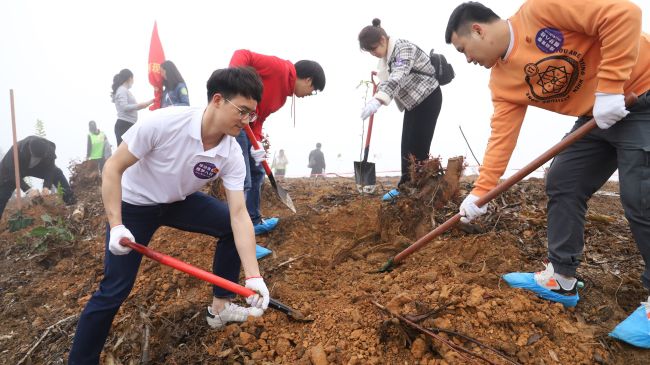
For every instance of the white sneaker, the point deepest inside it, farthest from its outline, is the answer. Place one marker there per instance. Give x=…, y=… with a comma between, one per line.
x=550, y=280
x=231, y=313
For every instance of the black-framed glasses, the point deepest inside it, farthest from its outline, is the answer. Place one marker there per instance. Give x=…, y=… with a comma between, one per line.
x=243, y=114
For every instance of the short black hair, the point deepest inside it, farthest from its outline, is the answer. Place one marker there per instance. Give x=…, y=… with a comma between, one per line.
x=306, y=69
x=234, y=81
x=469, y=12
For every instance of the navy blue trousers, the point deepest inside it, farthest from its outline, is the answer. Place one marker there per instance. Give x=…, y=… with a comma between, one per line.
x=254, y=180
x=198, y=213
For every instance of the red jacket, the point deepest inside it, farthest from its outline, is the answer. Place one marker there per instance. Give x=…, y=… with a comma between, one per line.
x=278, y=77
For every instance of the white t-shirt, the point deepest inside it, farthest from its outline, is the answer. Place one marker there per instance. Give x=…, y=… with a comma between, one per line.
x=172, y=163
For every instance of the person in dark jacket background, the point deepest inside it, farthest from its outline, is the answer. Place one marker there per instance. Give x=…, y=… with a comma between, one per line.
x=174, y=88
x=36, y=157
x=317, y=161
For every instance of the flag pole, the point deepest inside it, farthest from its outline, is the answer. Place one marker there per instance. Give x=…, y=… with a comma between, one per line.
x=16, y=167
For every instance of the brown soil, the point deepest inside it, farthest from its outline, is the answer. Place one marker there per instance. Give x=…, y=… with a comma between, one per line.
x=338, y=240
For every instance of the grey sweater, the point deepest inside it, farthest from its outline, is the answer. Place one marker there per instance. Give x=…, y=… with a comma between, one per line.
x=125, y=104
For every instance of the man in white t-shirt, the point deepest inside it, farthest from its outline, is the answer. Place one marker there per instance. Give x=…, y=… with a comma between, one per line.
x=153, y=180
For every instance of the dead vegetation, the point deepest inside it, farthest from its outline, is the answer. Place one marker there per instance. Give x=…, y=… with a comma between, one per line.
x=323, y=264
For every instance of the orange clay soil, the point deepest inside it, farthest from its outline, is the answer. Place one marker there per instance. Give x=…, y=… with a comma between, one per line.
x=323, y=264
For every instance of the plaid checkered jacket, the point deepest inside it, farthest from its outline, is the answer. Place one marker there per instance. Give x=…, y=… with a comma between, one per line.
x=406, y=75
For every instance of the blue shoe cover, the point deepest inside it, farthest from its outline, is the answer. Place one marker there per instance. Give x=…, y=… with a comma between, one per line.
x=261, y=251
x=526, y=280
x=266, y=225
x=635, y=329
x=390, y=195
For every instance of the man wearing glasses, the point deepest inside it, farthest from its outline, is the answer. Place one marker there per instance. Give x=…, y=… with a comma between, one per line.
x=281, y=79
x=153, y=180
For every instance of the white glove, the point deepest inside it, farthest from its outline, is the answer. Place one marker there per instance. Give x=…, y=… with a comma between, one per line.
x=371, y=108
x=32, y=193
x=117, y=233
x=469, y=210
x=258, y=155
x=261, y=299
x=609, y=109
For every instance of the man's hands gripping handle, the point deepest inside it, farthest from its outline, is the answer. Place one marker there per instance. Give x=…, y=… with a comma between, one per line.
x=473, y=206
x=262, y=296
x=609, y=109
x=118, y=235
x=256, y=292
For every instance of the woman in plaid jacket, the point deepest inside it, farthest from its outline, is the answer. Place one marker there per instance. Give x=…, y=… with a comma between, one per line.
x=406, y=75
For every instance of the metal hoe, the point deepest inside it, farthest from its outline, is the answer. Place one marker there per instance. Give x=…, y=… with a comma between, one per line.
x=210, y=278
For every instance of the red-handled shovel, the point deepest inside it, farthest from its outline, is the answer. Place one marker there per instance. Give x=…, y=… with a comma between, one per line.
x=630, y=99
x=364, y=171
x=210, y=278
x=282, y=194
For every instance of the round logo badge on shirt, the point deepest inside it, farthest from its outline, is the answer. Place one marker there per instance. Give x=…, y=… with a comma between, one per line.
x=205, y=170
x=549, y=40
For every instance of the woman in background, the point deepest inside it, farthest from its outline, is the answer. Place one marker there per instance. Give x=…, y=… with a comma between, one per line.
x=174, y=88
x=280, y=163
x=125, y=104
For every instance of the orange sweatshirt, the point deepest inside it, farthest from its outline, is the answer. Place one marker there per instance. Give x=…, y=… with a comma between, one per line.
x=563, y=53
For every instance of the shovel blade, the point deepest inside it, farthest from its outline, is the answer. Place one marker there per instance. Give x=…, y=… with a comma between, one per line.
x=282, y=194
x=365, y=177
x=285, y=198
x=292, y=313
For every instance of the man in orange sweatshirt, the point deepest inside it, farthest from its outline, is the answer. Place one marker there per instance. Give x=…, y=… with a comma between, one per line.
x=580, y=59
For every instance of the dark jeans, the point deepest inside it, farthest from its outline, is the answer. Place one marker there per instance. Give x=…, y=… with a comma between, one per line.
x=121, y=126
x=580, y=170
x=51, y=177
x=254, y=180
x=417, y=131
x=197, y=213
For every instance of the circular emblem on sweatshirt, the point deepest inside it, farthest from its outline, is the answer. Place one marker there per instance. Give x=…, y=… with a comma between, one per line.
x=205, y=170
x=552, y=78
x=549, y=40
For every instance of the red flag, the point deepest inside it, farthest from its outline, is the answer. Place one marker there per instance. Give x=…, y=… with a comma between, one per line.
x=156, y=57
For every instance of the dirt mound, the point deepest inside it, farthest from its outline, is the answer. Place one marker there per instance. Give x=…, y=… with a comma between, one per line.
x=324, y=264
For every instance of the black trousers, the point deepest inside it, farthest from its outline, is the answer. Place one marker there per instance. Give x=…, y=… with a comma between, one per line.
x=580, y=170
x=121, y=126
x=417, y=131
